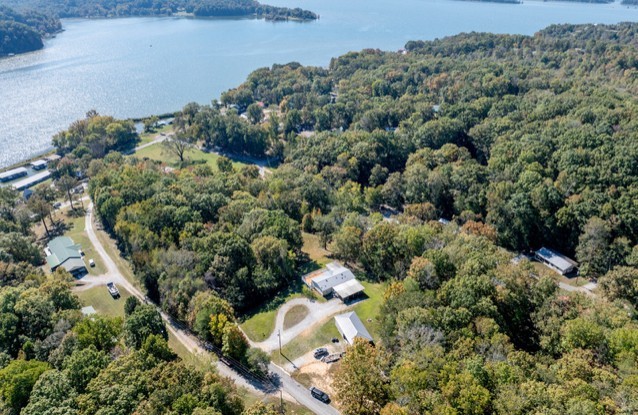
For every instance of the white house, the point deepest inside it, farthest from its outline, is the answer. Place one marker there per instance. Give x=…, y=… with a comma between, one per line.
x=334, y=279
x=556, y=261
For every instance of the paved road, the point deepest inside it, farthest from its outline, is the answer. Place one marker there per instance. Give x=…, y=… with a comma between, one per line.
x=301, y=394
x=289, y=386
x=158, y=139
x=318, y=314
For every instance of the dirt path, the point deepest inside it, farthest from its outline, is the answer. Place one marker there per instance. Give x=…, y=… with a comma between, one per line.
x=318, y=314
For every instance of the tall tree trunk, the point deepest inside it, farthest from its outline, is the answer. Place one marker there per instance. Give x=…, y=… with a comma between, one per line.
x=68, y=192
x=45, y=226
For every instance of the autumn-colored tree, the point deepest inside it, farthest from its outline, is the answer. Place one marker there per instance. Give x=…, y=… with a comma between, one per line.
x=479, y=229
x=234, y=343
x=361, y=382
x=218, y=323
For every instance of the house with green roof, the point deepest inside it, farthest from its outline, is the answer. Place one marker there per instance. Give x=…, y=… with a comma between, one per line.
x=63, y=252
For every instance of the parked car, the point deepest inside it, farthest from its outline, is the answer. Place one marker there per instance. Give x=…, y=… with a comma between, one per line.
x=319, y=394
x=320, y=352
x=57, y=205
x=91, y=263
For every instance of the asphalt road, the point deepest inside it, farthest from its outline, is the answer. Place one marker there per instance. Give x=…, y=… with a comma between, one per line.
x=287, y=383
x=301, y=393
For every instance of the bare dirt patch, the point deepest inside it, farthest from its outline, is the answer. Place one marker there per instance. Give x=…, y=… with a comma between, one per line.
x=317, y=374
x=295, y=316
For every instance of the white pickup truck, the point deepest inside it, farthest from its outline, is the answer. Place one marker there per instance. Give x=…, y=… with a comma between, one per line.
x=115, y=293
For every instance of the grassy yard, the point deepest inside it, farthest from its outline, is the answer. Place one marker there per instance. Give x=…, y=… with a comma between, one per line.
x=312, y=246
x=306, y=342
x=369, y=308
x=295, y=316
x=122, y=264
x=146, y=138
x=197, y=360
x=193, y=155
x=76, y=232
x=542, y=270
x=259, y=323
x=250, y=398
x=100, y=299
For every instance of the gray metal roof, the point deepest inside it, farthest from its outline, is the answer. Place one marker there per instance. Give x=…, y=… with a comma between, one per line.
x=558, y=261
x=333, y=275
x=350, y=325
x=31, y=180
x=349, y=288
x=13, y=172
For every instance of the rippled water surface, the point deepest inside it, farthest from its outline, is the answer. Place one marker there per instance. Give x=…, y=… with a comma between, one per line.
x=141, y=66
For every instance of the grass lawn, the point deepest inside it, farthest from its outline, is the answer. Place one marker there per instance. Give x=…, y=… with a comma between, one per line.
x=259, y=326
x=295, y=315
x=543, y=271
x=306, y=342
x=312, y=246
x=193, y=155
x=259, y=323
x=197, y=360
x=122, y=264
x=100, y=299
x=369, y=308
x=77, y=233
x=146, y=138
x=250, y=398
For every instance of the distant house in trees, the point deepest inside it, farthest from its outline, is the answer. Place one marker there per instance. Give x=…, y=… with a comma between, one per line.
x=63, y=252
x=335, y=280
x=350, y=327
x=556, y=261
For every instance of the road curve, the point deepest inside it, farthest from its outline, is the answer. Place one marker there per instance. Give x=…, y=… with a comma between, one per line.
x=318, y=313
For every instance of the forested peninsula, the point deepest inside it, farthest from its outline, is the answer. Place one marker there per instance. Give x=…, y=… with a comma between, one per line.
x=126, y=8
x=23, y=31
x=482, y=146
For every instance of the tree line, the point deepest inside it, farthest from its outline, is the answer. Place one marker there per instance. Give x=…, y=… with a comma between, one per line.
x=124, y=8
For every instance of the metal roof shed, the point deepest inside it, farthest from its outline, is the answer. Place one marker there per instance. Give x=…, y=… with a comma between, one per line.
x=351, y=327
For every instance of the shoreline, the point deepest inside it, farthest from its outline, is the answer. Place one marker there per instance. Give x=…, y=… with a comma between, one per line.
x=51, y=151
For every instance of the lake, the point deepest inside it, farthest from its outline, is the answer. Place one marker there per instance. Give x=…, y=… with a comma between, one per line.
x=137, y=67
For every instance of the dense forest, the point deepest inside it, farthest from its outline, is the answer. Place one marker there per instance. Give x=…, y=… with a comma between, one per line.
x=123, y=8
x=55, y=360
x=520, y=141
x=23, y=31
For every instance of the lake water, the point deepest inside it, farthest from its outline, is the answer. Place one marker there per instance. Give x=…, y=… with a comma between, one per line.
x=141, y=66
